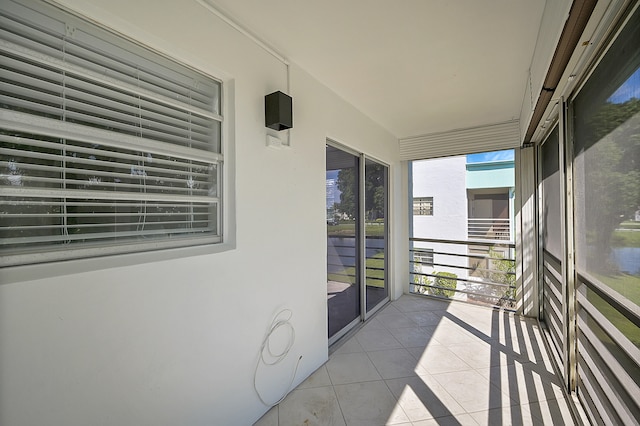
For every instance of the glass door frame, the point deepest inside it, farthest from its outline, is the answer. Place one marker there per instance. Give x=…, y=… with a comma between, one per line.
x=361, y=251
x=367, y=313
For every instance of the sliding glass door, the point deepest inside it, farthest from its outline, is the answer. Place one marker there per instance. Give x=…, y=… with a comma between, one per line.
x=357, y=246
x=343, y=240
x=375, y=232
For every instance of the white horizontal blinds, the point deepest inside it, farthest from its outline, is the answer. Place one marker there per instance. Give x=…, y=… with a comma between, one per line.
x=491, y=137
x=53, y=75
x=34, y=163
x=101, y=141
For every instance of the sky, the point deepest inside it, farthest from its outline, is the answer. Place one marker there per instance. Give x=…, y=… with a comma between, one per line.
x=332, y=174
x=483, y=157
x=629, y=89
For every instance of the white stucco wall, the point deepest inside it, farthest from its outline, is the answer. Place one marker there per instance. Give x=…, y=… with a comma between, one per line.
x=444, y=180
x=168, y=340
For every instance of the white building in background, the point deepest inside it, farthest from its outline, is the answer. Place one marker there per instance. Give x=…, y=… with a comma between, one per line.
x=441, y=181
x=332, y=198
x=457, y=201
x=439, y=211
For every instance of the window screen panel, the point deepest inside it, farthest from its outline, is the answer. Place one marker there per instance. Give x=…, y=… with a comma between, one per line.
x=606, y=131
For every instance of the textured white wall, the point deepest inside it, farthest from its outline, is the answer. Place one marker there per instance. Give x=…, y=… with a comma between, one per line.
x=444, y=180
x=174, y=340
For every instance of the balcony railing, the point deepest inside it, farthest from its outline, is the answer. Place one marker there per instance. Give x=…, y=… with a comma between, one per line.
x=488, y=229
x=341, y=260
x=472, y=271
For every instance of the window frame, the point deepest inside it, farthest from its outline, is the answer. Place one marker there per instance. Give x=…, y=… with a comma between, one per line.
x=424, y=256
x=211, y=242
x=423, y=206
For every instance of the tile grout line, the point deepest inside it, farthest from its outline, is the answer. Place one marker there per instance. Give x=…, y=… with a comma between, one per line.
x=518, y=357
x=416, y=374
x=397, y=400
x=333, y=387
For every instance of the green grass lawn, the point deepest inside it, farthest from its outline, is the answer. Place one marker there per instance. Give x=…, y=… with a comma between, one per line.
x=629, y=287
x=622, y=238
x=375, y=277
x=626, y=285
x=629, y=225
x=348, y=230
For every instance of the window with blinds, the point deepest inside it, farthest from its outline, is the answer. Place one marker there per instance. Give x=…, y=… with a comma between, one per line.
x=423, y=206
x=105, y=146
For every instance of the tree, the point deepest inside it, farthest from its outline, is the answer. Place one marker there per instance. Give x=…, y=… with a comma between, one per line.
x=610, y=138
x=444, y=280
x=347, y=184
x=505, y=274
x=375, y=191
x=374, y=195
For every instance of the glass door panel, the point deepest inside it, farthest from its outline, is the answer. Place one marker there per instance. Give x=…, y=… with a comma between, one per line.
x=343, y=275
x=376, y=201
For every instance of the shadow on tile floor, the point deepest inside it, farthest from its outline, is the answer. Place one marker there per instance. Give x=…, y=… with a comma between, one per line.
x=422, y=361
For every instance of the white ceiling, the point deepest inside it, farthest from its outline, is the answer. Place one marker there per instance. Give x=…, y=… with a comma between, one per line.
x=414, y=66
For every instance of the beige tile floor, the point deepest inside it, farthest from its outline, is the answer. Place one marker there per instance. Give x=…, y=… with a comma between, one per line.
x=422, y=361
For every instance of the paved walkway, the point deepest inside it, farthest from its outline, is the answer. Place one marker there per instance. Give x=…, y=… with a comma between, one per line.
x=424, y=362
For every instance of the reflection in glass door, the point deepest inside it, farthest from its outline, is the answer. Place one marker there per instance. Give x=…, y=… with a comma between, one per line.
x=375, y=200
x=357, y=206
x=343, y=266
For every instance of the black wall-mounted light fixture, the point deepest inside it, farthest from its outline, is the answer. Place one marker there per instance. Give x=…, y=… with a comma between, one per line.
x=278, y=111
